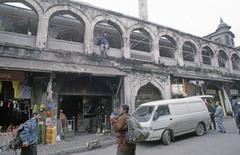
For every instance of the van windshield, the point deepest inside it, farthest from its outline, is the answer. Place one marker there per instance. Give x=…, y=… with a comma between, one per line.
x=143, y=113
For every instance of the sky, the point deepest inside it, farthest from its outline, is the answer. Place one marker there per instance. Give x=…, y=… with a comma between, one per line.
x=197, y=17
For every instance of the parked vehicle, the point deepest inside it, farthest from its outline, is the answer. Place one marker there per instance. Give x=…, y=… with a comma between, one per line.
x=166, y=119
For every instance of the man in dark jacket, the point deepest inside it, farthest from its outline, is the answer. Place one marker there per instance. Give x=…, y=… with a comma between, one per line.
x=123, y=147
x=237, y=119
x=211, y=110
x=29, y=136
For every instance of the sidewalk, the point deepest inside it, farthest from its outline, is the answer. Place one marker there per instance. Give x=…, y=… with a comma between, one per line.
x=76, y=144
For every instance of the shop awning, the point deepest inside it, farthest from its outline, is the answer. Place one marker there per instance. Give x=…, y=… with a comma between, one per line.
x=197, y=77
x=49, y=66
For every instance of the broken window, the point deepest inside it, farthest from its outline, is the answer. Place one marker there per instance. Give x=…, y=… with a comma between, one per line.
x=140, y=40
x=222, y=59
x=207, y=55
x=189, y=51
x=66, y=25
x=113, y=32
x=18, y=18
x=235, y=62
x=167, y=46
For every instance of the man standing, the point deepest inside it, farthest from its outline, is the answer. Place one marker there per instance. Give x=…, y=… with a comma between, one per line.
x=237, y=119
x=211, y=110
x=121, y=128
x=219, y=117
x=29, y=136
x=63, y=120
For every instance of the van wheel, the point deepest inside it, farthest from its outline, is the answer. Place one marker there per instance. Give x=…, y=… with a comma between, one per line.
x=200, y=129
x=166, y=137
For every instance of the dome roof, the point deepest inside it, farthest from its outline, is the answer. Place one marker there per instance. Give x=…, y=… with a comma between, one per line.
x=223, y=25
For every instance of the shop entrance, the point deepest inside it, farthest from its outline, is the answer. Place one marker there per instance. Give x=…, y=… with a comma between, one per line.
x=90, y=113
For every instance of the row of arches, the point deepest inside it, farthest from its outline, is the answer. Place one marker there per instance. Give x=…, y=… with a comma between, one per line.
x=65, y=22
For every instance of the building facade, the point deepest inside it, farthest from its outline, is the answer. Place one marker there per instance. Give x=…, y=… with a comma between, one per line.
x=53, y=47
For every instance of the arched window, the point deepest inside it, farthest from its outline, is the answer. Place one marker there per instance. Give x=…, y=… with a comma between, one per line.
x=113, y=32
x=207, y=55
x=235, y=62
x=140, y=40
x=222, y=59
x=189, y=51
x=66, y=25
x=18, y=18
x=167, y=46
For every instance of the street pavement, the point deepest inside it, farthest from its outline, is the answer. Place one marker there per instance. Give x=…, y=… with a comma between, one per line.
x=76, y=144
x=211, y=143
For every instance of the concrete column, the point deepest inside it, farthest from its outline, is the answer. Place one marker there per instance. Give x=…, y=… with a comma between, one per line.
x=143, y=9
x=155, y=51
x=42, y=33
x=127, y=93
x=215, y=60
x=88, y=39
x=198, y=58
x=229, y=64
x=126, y=46
x=179, y=55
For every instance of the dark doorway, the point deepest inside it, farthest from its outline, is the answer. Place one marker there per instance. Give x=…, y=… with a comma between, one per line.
x=89, y=112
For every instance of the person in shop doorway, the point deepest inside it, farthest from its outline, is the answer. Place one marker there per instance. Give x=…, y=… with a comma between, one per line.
x=63, y=120
x=123, y=147
x=219, y=117
x=237, y=120
x=211, y=110
x=42, y=126
x=29, y=136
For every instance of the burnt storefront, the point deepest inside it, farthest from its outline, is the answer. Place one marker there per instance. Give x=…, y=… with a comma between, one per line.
x=88, y=99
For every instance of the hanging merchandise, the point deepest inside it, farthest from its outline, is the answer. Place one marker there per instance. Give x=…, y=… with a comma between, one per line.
x=227, y=102
x=35, y=108
x=16, y=88
x=49, y=90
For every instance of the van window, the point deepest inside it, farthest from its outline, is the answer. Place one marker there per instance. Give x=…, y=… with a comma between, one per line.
x=143, y=113
x=180, y=108
x=196, y=106
x=162, y=110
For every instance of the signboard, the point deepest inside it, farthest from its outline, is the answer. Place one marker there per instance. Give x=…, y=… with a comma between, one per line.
x=233, y=91
x=177, y=89
x=11, y=75
x=211, y=91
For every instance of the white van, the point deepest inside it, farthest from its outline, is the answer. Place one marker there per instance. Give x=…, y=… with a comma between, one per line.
x=166, y=119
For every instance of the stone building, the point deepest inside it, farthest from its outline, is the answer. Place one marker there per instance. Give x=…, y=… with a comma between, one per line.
x=49, y=54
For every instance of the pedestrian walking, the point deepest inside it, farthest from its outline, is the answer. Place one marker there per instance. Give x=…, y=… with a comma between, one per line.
x=211, y=110
x=219, y=117
x=121, y=129
x=237, y=120
x=29, y=136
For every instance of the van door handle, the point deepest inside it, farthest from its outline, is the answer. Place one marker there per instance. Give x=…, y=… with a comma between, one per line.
x=170, y=118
